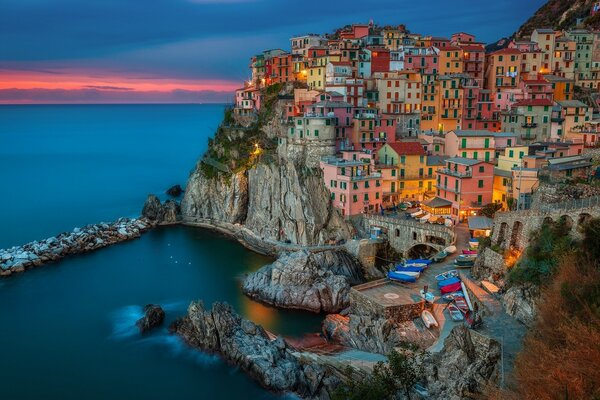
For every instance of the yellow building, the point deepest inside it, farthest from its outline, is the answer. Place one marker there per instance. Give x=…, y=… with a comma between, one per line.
x=545, y=38
x=512, y=157
x=316, y=70
x=503, y=69
x=411, y=177
x=502, y=187
x=563, y=58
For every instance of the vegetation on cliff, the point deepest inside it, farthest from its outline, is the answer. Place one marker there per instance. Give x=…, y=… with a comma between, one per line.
x=399, y=374
x=561, y=352
x=559, y=14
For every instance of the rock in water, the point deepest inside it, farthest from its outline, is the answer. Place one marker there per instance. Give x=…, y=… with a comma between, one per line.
x=153, y=317
x=175, y=191
x=221, y=330
x=302, y=280
x=162, y=213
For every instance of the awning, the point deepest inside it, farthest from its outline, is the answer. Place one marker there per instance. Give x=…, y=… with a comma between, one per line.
x=480, y=223
x=438, y=202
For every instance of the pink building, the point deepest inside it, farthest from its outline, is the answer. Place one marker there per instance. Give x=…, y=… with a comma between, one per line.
x=421, y=59
x=354, y=186
x=343, y=113
x=468, y=184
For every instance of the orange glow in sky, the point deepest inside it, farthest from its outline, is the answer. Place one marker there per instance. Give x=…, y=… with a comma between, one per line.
x=12, y=79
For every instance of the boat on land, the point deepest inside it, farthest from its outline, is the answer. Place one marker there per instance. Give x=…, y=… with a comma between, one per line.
x=428, y=296
x=418, y=261
x=464, y=263
x=450, y=249
x=411, y=268
x=453, y=287
x=453, y=295
x=461, y=303
x=439, y=257
x=448, y=281
x=446, y=275
x=455, y=313
x=400, y=277
x=469, y=252
x=428, y=319
x=474, y=243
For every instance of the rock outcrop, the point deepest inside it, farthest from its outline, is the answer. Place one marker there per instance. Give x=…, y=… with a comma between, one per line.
x=464, y=368
x=241, y=342
x=175, y=191
x=521, y=302
x=80, y=240
x=374, y=333
x=490, y=266
x=153, y=317
x=168, y=212
x=318, y=282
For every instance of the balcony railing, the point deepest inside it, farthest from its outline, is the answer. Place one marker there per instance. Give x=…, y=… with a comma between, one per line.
x=529, y=125
x=371, y=140
x=528, y=137
x=447, y=171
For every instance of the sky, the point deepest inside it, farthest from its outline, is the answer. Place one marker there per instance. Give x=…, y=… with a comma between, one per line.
x=193, y=51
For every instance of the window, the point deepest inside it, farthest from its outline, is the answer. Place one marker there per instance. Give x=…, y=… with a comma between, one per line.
x=481, y=168
x=393, y=174
x=332, y=196
x=316, y=132
x=366, y=184
x=511, y=153
x=354, y=198
x=479, y=199
x=355, y=185
x=366, y=197
x=480, y=183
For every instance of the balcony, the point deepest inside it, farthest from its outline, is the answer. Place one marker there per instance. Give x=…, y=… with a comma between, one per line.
x=528, y=137
x=560, y=120
x=448, y=189
x=529, y=125
x=447, y=171
x=373, y=140
x=372, y=175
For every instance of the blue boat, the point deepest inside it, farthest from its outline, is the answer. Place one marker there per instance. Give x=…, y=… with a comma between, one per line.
x=411, y=268
x=418, y=261
x=397, y=276
x=448, y=281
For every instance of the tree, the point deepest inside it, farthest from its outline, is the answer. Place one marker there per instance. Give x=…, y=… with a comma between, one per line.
x=489, y=210
x=400, y=373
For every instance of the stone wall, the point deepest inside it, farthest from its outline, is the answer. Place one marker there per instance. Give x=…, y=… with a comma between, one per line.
x=404, y=234
x=489, y=266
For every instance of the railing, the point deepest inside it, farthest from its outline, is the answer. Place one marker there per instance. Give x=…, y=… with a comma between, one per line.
x=447, y=171
x=529, y=125
x=574, y=204
x=401, y=220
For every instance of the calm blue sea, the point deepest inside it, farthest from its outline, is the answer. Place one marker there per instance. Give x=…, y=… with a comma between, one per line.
x=66, y=330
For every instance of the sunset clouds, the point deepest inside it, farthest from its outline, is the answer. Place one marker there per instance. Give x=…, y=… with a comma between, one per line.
x=190, y=50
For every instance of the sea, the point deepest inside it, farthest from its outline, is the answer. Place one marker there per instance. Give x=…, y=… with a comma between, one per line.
x=67, y=330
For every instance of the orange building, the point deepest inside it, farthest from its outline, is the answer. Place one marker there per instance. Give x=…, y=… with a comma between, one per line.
x=503, y=69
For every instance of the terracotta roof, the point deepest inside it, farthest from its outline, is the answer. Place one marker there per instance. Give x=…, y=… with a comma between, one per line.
x=533, y=102
x=407, y=148
x=472, y=47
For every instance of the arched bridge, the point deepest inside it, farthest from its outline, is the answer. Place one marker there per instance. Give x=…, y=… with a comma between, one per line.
x=512, y=230
x=405, y=235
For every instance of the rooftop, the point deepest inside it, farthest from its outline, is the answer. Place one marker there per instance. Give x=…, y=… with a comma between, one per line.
x=407, y=148
x=463, y=161
x=480, y=223
x=533, y=102
x=438, y=202
x=571, y=103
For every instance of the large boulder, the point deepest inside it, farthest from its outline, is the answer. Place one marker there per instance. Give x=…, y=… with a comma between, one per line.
x=520, y=301
x=175, y=191
x=153, y=317
x=467, y=365
x=302, y=280
x=167, y=212
x=241, y=342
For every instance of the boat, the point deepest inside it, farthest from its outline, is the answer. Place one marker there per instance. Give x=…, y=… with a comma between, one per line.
x=418, y=261
x=400, y=277
x=416, y=274
x=445, y=275
x=424, y=218
x=463, y=263
x=453, y=287
x=439, y=257
x=416, y=265
x=474, y=242
x=414, y=214
x=469, y=252
x=461, y=304
x=428, y=319
x=450, y=249
x=428, y=296
x=411, y=268
x=455, y=313
x=448, y=281
x=453, y=295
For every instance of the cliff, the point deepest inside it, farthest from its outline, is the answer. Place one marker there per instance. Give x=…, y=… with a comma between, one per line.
x=260, y=188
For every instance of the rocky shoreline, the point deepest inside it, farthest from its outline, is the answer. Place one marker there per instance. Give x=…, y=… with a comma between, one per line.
x=81, y=240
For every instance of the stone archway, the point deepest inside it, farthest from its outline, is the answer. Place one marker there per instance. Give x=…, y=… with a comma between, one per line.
x=583, y=219
x=548, y=221
x=502, y=234
x=421, y=250
x=567, y=222
x=515, y=235
x=435, y=240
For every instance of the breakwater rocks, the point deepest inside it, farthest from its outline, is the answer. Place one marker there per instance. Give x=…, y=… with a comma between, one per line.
x=247, y=345
x=153, y=317
x=318, y=282
x=80, y=240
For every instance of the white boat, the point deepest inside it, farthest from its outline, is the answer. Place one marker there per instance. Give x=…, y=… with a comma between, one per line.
x=410, y=273
x=425, y=217
x=428, y=319
x=450, y=249
x=416, y=213
x=429, y=297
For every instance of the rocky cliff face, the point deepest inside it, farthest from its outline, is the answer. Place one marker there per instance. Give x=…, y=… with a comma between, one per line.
x=247, y=345
x=302, y=280
x=521, y=302
x=271, y=195
x=166, y=213
x=468, y=363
